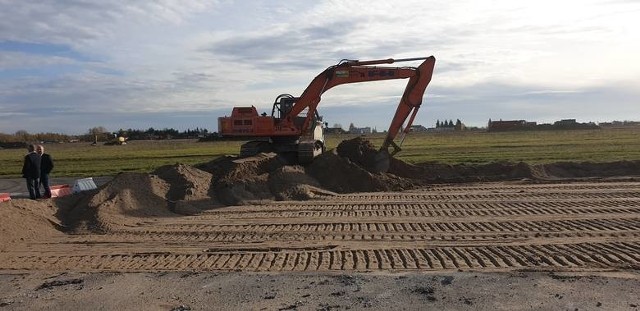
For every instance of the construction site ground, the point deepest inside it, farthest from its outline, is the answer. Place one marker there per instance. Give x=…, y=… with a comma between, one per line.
x=147, y=242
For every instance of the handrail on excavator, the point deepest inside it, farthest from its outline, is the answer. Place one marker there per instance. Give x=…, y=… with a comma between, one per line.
x=355, y=62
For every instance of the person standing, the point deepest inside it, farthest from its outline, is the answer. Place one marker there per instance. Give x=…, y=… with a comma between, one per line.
x=31, y=171
x=46, y=165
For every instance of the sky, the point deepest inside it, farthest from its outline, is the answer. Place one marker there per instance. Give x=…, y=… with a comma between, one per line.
x=68, y=66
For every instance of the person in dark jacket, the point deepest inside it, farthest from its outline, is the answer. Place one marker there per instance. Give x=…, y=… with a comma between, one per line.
x=31, y=171
x=46, y=165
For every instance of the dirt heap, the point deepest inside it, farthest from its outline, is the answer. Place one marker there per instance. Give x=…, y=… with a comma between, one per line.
x=190, y=189
x=570, y=170
x=185, y=182
x=429, y=173
x=125, y=201
x=263, y=177
x=293, y=183
x=174, y=190
x=241, y=181
x=339, y=174
x=359, y=151
x=27, y=220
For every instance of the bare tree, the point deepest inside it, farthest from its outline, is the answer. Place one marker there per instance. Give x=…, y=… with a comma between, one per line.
x=24, y=135
x=98, y=132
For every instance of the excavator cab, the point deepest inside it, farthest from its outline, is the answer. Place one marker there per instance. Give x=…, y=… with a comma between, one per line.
x=310, y=143
x=282, y=105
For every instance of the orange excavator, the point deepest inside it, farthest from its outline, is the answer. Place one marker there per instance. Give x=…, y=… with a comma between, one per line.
x=295, y=127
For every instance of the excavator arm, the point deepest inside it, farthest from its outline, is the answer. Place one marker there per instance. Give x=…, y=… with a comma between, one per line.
x=354, y=71
x=409, y=105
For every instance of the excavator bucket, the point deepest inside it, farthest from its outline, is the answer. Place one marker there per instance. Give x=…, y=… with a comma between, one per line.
x=382, y=162
x=362, y=152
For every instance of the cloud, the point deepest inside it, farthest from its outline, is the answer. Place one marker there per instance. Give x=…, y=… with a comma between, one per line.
x=286, y=48
x=75, y=21
x=193, y=57
x=13, y=60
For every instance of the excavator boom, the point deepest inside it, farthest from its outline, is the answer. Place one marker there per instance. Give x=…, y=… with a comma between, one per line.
x=409, y=104
x=354, y=71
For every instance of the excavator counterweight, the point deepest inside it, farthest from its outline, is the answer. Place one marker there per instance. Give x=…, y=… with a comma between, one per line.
x=295, y=127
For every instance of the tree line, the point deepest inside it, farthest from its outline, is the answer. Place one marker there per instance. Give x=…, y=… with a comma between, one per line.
x=101, y=134
x=450, y=123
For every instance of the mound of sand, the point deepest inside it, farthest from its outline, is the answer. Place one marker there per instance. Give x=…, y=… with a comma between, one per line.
x=190, y=189
x=446, y=173
x=186, y=182
x=339, y=174
x=242, y=181
x=267, y=176
x=293, y=183
x=587, y=169
x=359, y=151
x=174, y=190
x=27, y=220
x=122, y=202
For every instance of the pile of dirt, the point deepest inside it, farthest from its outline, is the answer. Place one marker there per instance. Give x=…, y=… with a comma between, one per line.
x=174, y=190
x=293, y=183
x=27, y=220
x=430, y=173
x=186, y=182
x=125, y=201
x=267, y=176
x=569, y=170
x=242, y=181
x=354, y=162
x=190, y=189
x=339, y=174
x=359, y=151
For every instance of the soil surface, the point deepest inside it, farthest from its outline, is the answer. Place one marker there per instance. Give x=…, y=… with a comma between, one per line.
x=258, y=233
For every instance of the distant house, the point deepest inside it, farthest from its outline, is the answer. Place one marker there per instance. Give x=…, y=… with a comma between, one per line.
x=334, y=130
x=572, y=124
x=418, y=128
x=565, y=122
x=620, y=124
x=510, y=125
x=441, y=129
x=359, y=130
x=520, y=125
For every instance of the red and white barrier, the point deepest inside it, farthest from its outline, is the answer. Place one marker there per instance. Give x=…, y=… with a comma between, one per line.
x=60, y=190
x=5, y=197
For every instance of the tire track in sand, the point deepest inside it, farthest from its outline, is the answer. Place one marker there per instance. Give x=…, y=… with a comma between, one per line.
x=560, y=227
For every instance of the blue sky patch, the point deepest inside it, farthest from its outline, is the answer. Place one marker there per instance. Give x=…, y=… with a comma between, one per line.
x=46, y=49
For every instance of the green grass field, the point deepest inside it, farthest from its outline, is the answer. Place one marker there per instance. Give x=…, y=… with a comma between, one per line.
x=82, y=159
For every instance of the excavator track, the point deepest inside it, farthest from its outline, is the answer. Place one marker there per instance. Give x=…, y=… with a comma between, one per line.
x=253, y=148
x=306, y=152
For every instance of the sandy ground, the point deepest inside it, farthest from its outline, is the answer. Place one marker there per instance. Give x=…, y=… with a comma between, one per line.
x=481, y=246
x=260, y=234
x=318, y=291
